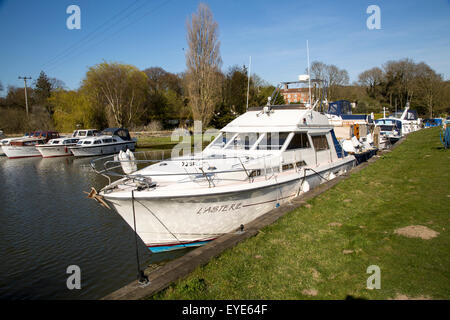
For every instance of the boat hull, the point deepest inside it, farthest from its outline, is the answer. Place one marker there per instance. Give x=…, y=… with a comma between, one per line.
x=14, y=152
x=56, y=151
x=178, y=222
x=91, y=151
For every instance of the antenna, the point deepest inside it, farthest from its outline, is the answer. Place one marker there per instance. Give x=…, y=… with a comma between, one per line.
x=248, y=82
x=309, y=74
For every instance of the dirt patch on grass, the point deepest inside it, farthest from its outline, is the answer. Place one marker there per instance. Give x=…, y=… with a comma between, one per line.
x=335, y=224
x=310, y=292
x=405, y=297
x=417, y=232
x=315, y=274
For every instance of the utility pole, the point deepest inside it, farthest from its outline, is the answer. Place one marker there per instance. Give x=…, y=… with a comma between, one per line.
x=26, y=98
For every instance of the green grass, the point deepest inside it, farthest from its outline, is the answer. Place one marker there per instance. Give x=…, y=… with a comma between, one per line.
x=301, y=251
x=161, y=143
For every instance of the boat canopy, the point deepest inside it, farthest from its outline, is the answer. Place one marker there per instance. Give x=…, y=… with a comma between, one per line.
x=340, y=107
x=343, y=109
x=385, y=122
x=121, y=132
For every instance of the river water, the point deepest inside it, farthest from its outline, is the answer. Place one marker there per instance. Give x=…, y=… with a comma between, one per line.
x=48, y=224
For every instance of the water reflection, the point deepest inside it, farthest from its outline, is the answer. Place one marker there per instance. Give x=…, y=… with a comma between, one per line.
x=47, y=224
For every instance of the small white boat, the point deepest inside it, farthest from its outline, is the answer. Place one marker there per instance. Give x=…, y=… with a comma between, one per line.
x=85, y=133
x=259, y=161
x=57, y=147
x=390, y=131
x=26, y=147
x=7, y=141
x=109, y=141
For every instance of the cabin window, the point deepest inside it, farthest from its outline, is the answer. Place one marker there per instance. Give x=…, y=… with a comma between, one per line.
x=89, y=133
x=243, y=141
x=223, y=139
x=82, y=133
x=273, y=141
x=97, y=142
x=87, y=142
x=299, y=141
x=320, y=142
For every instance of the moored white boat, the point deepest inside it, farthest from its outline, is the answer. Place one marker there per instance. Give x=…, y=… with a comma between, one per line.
x=259, y=161
x=109, y=141
x=57, y=147
x=26, y=147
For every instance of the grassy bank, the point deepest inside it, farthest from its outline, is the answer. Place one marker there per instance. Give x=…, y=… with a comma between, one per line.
x=322, y=250
x=160, y=143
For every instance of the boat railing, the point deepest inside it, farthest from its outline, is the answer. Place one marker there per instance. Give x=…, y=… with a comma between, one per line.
x=269, y=165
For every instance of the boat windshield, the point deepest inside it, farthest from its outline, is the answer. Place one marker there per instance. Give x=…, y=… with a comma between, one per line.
x=273, y=141
x=243, y=141
x=222, y=139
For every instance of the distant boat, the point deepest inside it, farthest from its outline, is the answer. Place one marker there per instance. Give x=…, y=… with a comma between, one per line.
x=109, y=141
x=354, y=131
x=26, y=147
x=7, y=141
x=57, y=147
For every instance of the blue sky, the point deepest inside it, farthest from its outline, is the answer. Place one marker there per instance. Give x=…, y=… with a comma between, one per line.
x=149, y=33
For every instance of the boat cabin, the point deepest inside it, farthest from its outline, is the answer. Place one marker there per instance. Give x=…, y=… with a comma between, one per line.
x=63, y=141
x=37, y=137
x=85, y=133
x=295, y=133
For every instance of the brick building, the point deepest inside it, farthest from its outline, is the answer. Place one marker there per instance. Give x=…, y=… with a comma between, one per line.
x=295, y=95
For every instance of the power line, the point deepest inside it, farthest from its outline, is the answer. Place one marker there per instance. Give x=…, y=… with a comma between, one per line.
x=153, y=10
x=92, y=35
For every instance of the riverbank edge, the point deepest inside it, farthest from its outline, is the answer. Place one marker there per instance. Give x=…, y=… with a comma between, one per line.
x=162, y=277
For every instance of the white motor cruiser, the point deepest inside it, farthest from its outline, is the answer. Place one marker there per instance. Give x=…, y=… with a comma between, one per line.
x=109, y=141
x=7, y=141
x=26, y=147
x=259, y=161
x=57, y=147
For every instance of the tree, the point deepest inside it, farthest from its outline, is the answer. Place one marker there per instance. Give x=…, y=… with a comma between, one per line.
x=165, y=98
x=235, y=89
x=333, y=76
x=372, y=80
x=15, y=97
x=43, y=88
x=72, y=108
x=203, y=63
x=120, y=89
x=429, y=86
x=1, y=86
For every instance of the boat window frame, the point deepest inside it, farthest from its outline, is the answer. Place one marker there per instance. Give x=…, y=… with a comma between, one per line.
x=320, y=134
x=281, y=146
x=289, y=140
x=246, y=141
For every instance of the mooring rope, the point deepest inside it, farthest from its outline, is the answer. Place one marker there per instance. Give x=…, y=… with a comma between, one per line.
x=141, y=277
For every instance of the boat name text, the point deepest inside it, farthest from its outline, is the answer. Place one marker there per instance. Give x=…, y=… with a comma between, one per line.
x=224, y=208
